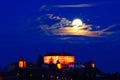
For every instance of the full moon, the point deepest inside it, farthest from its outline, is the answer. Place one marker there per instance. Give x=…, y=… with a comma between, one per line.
x=76, y=23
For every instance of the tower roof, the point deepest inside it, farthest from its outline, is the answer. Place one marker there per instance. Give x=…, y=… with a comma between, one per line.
x=58, y=54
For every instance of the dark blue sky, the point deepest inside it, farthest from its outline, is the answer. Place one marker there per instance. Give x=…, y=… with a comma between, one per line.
x=20, y=34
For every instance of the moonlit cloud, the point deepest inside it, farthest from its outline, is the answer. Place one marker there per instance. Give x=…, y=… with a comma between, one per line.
x=62, y=30
x=63, y=27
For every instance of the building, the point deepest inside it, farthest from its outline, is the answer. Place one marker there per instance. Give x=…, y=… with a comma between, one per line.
x=63, y=58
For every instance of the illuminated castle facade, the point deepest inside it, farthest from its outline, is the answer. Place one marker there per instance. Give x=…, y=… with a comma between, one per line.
x=63, y=58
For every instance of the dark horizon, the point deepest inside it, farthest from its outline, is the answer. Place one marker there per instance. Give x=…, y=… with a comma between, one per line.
x=103, y=57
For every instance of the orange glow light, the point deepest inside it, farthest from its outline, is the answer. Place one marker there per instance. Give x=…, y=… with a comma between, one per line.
x=62, y=59
x=22, y=63
x=93, y=65
x=59, y=66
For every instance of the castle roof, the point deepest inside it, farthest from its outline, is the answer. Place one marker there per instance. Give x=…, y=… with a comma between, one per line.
x=58, y=54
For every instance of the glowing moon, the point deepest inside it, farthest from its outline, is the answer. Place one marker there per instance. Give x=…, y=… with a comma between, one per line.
x=77, y=22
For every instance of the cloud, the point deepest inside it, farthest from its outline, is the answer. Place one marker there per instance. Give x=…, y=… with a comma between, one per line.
x=106, y=3
x=51, y=16
x=85, y=5
x=45, y=8
x=64, y=28
x=64, y=31
x=48, y=8
x=73, y=6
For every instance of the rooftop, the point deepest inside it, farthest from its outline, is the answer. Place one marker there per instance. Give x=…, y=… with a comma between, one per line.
x=58, y=54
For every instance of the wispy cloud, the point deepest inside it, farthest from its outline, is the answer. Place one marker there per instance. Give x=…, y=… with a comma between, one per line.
x=85, y=5
x=47, y=8
x=63, y=30
x=73, y=6
x=88, y=4
x=63, y=27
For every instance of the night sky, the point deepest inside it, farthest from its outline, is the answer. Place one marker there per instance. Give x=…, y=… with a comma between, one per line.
x=28, y=28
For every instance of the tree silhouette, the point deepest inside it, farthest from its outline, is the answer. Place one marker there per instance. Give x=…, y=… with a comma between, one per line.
x=39, y=61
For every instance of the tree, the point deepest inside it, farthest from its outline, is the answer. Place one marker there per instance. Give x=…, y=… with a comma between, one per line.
x=40, y=61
